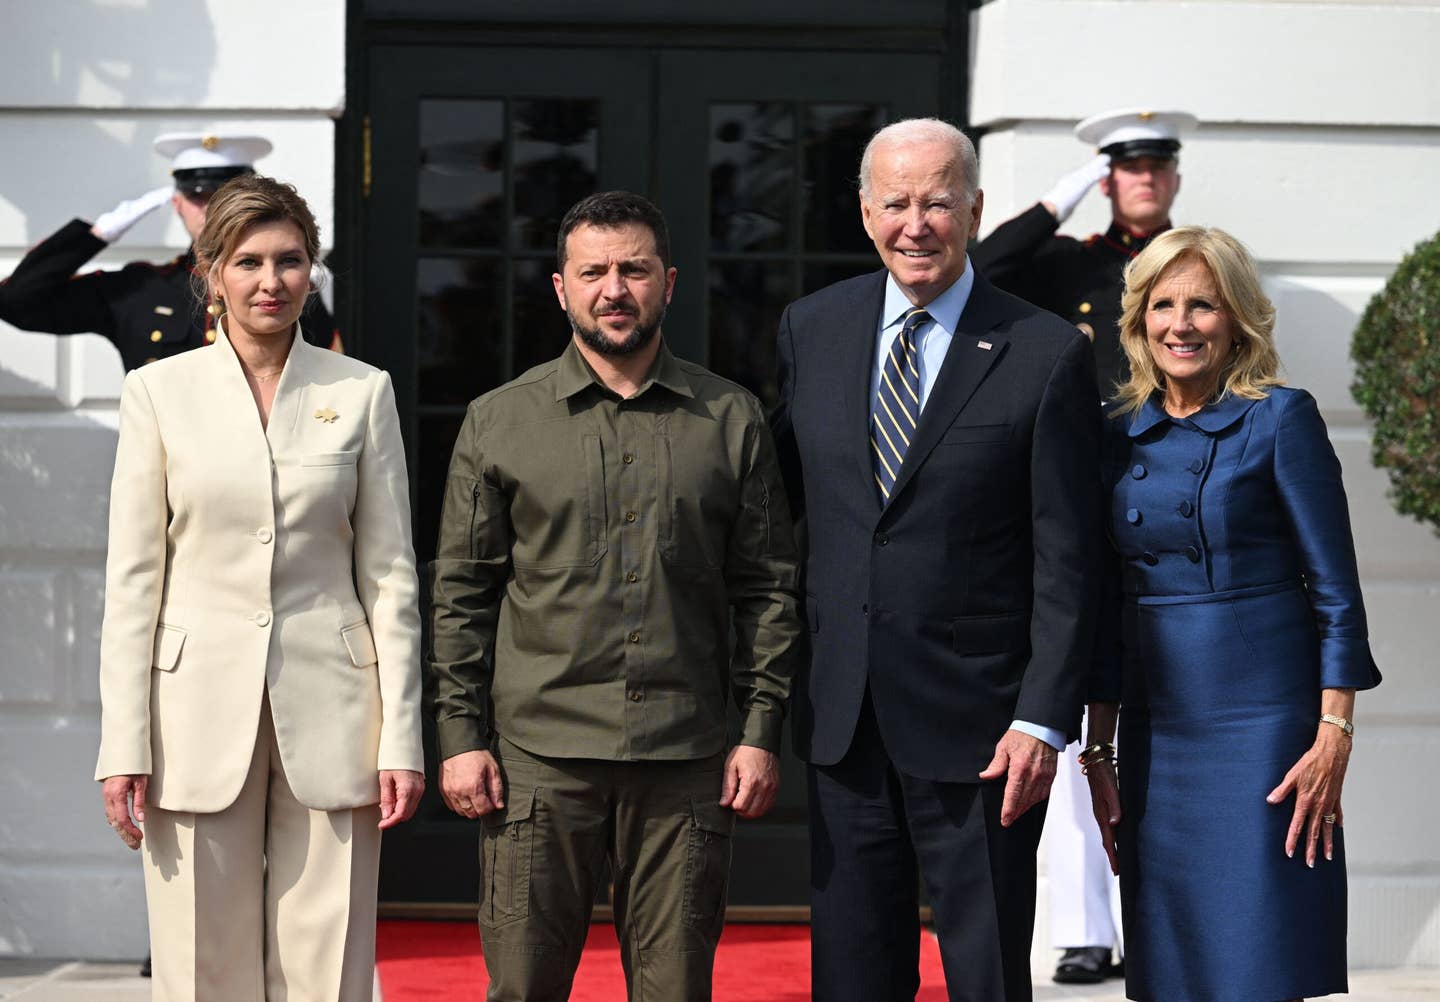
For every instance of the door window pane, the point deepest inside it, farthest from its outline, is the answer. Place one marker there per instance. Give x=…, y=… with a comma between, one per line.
x=459, y=329
x=752, y=175
x=556, y=150
x=541, y=330
x=436, y=443
x=462, y=173
x=835, y=136
x=816, y=276
x=746, y=300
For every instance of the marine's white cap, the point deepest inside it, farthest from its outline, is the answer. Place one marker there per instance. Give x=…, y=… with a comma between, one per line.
x=202, y=161
x=1136, y=132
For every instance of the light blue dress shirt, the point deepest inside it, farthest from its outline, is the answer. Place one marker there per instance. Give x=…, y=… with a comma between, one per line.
x=934, y=342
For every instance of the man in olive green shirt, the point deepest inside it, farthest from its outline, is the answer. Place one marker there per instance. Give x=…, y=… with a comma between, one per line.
x=608, y=517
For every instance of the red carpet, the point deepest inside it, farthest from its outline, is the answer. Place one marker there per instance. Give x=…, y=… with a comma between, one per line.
x=440, y=962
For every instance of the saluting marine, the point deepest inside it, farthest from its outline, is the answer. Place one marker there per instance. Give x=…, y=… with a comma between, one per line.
x=148, y=311
x=1137, y=168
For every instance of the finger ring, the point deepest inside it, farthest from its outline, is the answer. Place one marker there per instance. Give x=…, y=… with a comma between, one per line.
x=1329, y=819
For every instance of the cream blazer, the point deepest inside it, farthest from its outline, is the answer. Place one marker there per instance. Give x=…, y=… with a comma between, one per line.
x=246, y=560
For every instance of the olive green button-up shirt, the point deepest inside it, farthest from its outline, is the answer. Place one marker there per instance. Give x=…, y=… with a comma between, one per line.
x=594, y=554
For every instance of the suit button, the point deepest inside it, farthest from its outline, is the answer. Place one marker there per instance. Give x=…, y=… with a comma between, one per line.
x=262, y=618
x=1149, y=558
x=881, y=539
x=635, y=697
x=1185, y=508
x=264, y=535
x=1137, y=471
x=1196, y=465
x=1193, y=554
x=156, y=335
x=1132, y=515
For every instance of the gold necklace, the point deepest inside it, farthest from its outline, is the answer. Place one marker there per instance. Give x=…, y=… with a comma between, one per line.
x=266, y=377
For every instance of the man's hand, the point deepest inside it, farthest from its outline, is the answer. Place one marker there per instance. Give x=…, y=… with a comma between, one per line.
x=119, y=793
x=113, y=224
x=1070, y=189
x=400, y=791
x=470, y=783
x=1029, y=764
x=752, y=778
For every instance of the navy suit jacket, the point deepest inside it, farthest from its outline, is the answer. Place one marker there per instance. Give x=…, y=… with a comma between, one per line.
x=970, y=599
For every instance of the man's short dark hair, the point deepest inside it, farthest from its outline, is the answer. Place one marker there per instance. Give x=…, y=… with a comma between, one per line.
x=610, y=209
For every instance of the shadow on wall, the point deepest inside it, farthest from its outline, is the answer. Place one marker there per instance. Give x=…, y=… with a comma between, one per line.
x=105, y=57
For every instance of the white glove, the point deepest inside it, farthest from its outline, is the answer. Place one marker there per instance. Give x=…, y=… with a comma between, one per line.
x=1071, y=188
x=113, y=224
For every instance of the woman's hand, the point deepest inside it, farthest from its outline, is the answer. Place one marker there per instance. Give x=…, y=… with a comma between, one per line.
x=1105, y=802
x=1316, y=781
x=400, y=791
x=120, y=793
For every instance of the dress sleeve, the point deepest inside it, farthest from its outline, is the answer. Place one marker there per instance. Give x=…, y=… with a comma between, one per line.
x=1307, y=476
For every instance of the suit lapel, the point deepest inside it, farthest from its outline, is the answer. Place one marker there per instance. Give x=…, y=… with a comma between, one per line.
x=965, y=367
x=856, y=338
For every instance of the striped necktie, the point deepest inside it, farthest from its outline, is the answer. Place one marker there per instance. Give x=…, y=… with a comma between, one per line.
x=897, y=404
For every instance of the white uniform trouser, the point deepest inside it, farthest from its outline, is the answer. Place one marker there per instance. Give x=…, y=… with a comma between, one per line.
x=1084, y=894
x=266, y=899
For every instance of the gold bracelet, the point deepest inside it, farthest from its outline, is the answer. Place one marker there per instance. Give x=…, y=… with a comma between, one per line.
x=1100, y=751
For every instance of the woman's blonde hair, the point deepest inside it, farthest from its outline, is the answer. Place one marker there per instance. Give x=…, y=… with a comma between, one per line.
x=1252, y=367
x=242, y=203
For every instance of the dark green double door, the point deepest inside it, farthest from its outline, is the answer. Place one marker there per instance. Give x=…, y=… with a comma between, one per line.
x=474, y=155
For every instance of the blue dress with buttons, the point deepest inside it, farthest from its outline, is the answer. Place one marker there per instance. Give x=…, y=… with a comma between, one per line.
x=1239, y=600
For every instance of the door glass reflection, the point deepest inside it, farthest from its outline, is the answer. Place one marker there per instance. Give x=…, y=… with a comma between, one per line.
x=746, y=300
x=556, y=152
x=541, y=330
x=458, y=330
x=835, y=136
x=462, y=173
x=752, y=175
x=436, y=442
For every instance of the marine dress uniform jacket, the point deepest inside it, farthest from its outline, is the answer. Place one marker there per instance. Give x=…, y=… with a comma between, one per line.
x=244, y=560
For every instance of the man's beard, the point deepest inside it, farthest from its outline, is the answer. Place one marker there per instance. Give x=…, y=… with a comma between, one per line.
x=596, y=340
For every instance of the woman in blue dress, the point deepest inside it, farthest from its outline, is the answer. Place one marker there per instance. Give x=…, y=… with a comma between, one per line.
x=1234, y=647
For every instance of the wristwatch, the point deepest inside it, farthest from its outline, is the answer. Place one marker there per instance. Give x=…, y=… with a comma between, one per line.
x=1340, y=722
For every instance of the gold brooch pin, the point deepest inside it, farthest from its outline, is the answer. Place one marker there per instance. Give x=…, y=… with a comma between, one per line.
x=327, y=415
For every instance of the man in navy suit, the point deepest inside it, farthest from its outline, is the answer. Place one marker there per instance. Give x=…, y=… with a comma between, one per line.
x=942, y=439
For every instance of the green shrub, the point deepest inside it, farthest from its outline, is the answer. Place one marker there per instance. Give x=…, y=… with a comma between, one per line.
x=1397, y=380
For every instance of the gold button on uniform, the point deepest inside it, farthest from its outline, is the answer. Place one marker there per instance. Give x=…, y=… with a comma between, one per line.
x=156, y=335
x=627, y=459
x=634, y=697
x=635, y=637
x=1084, y=307
x=632, y=577
x=630, y=516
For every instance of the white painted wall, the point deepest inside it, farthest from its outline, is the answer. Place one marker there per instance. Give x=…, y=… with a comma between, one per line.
x=1319, y=147
x=85, y=87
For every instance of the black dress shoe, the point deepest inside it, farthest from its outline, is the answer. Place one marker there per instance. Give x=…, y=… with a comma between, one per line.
x=1083, y=965
x=145, y=967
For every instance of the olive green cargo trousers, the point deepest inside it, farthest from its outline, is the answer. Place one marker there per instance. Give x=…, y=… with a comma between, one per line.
x=668, y=843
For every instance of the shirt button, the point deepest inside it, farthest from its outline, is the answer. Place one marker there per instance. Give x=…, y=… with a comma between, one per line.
x=156, y=335
x=1149, y=558
x=630, y=516
x=1185, y=508
x=627, y=459
x=1193, y=554
x=635, y=697
x=1137, y=471
x=1196, y=465
x=264, y=535
x=262, y=618
x=881, y=539
x=1132, y=515
x=632, y=577
x=635, y=637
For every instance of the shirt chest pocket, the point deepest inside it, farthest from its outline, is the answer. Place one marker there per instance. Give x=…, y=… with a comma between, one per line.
x=696, y=501
x=560, y=514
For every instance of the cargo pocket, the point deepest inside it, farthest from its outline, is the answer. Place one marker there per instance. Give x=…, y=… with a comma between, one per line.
x=505, y=861
x=707, y=867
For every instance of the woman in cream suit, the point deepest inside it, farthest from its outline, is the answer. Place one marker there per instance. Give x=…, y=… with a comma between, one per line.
x=260, y=650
